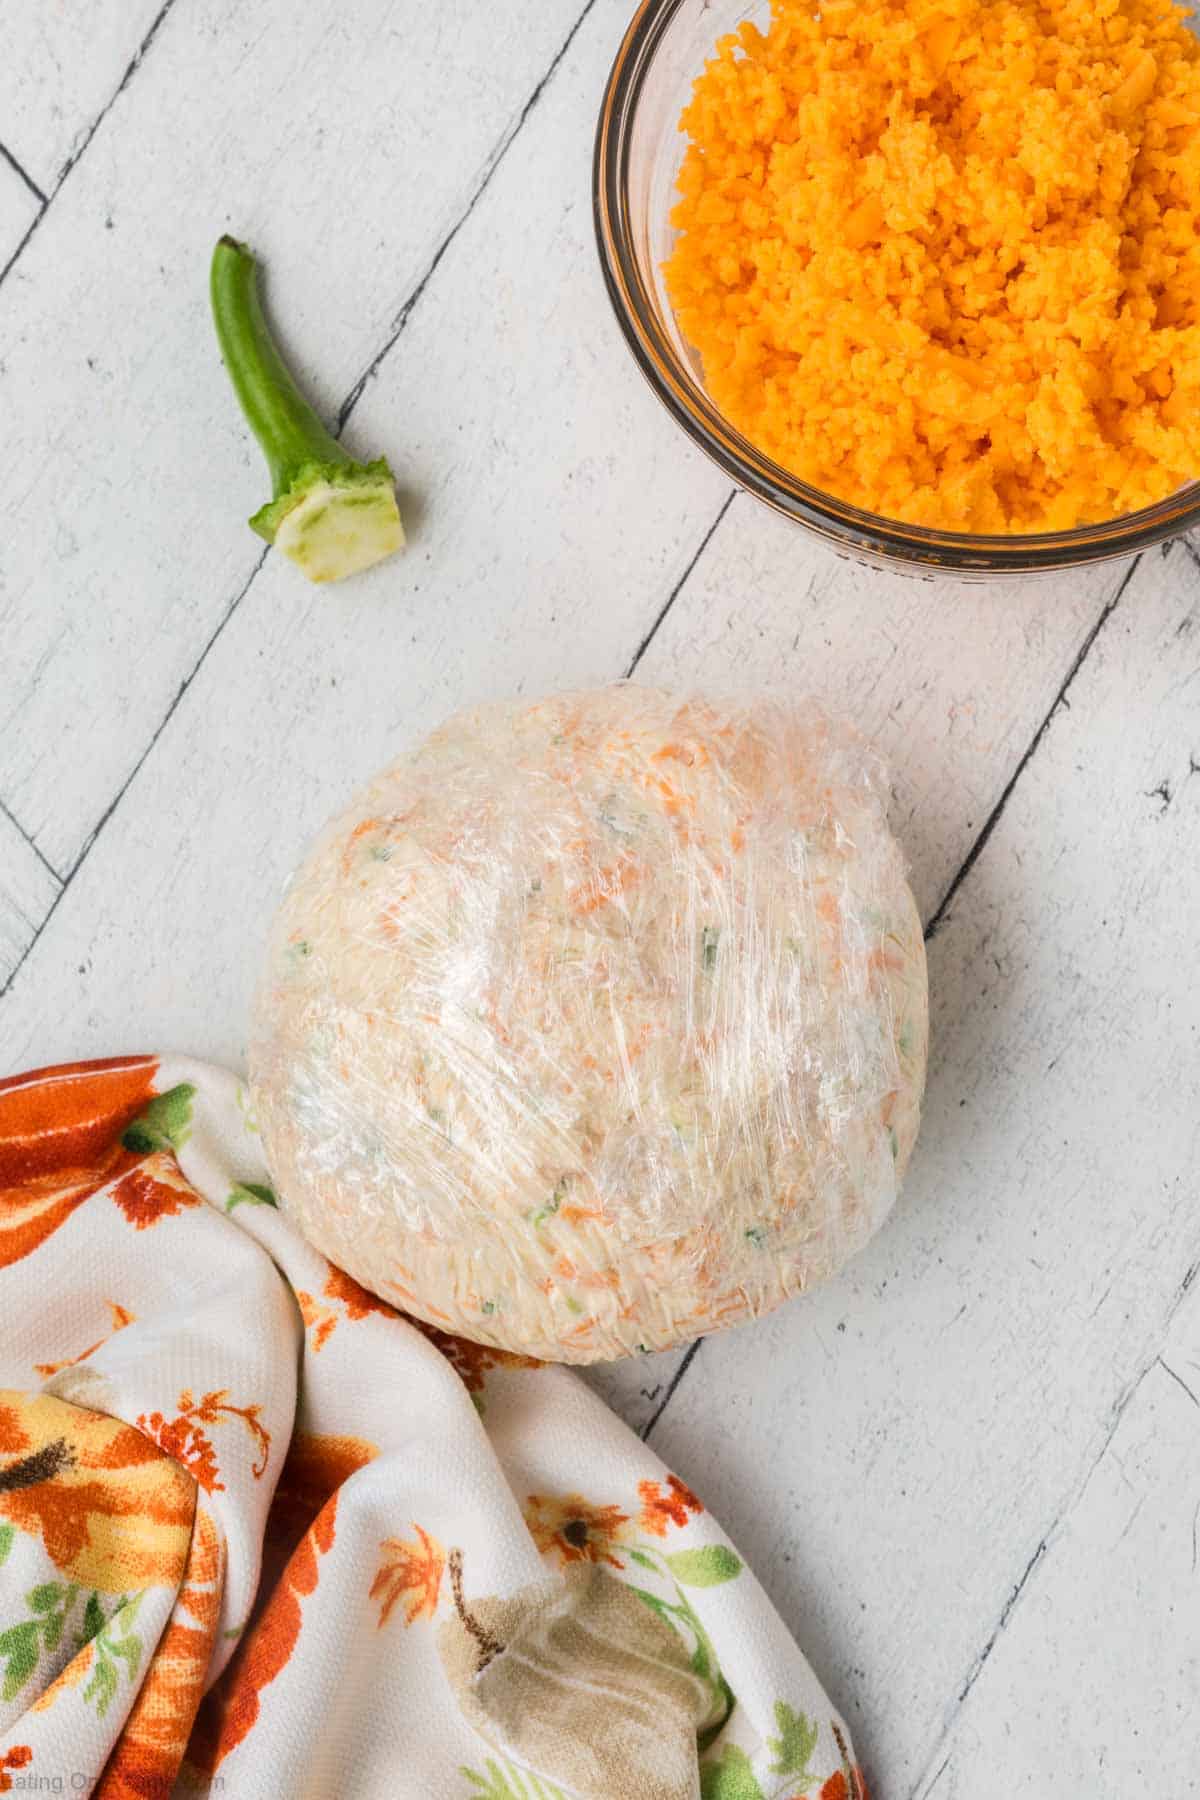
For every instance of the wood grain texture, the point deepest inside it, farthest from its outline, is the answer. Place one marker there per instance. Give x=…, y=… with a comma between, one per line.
x=61, y=66
x=909, y=1435
x=929, y=1461
x=118, y=570
x=1092, y=1686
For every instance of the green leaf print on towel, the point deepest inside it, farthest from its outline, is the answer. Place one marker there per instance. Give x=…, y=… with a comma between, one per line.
x=93, y=1621
x=730, y=1779
x=116, y=1643
x=508, y=1783
x=250, y=1193
x=683, y=1618
x=20, y=1647
x=732, y=1776
x=52, y=1605
x=166, y=1123
x=795, y=1744
x=706, y=1567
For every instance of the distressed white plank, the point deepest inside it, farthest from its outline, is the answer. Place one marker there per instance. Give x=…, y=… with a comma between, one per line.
x=18, y=209
x=538, y=557
x=624, y=541
x=906, y=1435
x=541, y=555
x=1091, y=1688
x=62, y=64
x=28, y=890
x=951, y=682
x=344, y=143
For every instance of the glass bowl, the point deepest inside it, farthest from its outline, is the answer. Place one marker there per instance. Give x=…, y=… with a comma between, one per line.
x=638, y=152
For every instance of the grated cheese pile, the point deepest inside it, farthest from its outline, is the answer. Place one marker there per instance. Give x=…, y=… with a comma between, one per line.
x=940, y=258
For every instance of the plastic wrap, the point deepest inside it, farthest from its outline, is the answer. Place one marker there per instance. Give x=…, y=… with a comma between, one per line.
x=599, y=1023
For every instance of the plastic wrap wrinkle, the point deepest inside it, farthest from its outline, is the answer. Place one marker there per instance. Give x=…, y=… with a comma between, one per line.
x=598, y=1023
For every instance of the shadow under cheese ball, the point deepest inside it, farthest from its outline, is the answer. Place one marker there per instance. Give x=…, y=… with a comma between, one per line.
x=598, y=1023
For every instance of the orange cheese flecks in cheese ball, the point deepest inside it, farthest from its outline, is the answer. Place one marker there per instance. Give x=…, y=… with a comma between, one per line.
x=598, y=1023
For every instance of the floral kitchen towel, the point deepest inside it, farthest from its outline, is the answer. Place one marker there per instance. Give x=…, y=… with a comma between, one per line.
x=260, y=1534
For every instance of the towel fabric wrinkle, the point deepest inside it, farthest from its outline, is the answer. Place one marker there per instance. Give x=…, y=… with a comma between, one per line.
x=260, y=1533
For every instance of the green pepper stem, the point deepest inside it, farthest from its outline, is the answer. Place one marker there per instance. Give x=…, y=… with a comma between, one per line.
x=331, y=515
x=287, y=428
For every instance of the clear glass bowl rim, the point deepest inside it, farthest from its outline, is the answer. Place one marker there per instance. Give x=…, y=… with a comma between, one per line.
x=863, y=533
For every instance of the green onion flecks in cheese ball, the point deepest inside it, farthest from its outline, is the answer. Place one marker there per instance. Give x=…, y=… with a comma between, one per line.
x=597, y=1024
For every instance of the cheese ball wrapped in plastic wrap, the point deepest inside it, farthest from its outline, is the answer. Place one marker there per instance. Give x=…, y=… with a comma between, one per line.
x=599, y=1023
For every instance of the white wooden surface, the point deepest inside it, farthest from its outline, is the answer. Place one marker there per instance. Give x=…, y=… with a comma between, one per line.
x=969, y=1470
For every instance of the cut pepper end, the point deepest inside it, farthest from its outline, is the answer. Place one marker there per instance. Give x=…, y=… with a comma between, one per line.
x=335, y=522
x=330, y=515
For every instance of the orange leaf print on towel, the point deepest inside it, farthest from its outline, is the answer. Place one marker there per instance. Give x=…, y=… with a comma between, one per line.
x=847, y=1782
x=412, y=1572
x=184, y=1441
x=470, y=1361
x=154, y=1190
x=19, y=1757
x=341, y=1288
x=112, y=1512
x=320, y=1320
x=672, y=1508
x=230, y=1710
x=145, y=1761
x=60, y=1141
x=359, y=1302
x=575, y=1530
x=121, y=1317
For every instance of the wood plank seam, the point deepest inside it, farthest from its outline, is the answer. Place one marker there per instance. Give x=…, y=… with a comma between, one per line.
x=503, y=146
x=15, y=166
x=923, y=1787
x=22, y=833
x=1060, y=699
x=675, y=592
x=47, y=200
x=968, y=862
x=493, y=163
x=1178, y=1378
x=671, y=1386
x=24, y=956
x=113, y=804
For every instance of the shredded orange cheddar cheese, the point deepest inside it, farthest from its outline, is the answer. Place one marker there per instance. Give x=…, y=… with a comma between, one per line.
x=941, y=257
